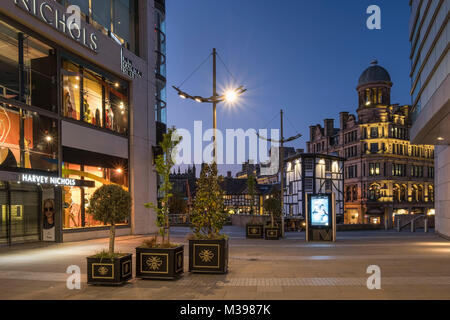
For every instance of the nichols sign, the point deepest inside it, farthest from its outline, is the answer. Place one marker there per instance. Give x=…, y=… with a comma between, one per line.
x=57, y=181
x=68, y=23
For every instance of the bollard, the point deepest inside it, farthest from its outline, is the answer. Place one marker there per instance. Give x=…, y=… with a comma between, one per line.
x=413, y=225
x=425, y=225
x=398, y=225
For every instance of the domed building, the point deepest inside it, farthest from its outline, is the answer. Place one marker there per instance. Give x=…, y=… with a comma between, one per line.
x=385, y=176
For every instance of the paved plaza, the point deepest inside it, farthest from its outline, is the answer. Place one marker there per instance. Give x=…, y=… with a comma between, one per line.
x=413, y=266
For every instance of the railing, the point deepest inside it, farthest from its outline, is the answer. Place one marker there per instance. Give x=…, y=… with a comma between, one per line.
x=413, y=223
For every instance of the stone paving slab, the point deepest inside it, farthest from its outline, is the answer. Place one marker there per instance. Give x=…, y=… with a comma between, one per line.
x=413, y=266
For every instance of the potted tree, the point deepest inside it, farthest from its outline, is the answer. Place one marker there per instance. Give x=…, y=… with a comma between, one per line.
x=162, y=259
x=208, y=248
x=253, y=229
x=273, y=206
x=110, y=204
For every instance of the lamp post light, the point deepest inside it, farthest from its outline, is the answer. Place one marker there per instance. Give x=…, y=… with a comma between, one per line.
x=229, y=96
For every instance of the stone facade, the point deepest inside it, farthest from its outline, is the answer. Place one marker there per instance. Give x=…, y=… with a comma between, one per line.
x=384, y=173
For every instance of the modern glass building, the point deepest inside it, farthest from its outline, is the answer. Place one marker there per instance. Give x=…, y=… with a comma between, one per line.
x=429, y=33
x=77, y=101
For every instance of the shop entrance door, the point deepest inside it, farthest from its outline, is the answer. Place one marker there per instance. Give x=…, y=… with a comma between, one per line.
x=25, y=213
x=20, y=214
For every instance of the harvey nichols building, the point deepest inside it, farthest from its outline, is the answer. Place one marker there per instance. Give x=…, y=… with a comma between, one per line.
x=80, y=104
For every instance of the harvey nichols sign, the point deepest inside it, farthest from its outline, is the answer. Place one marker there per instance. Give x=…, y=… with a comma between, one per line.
x=39, y=179
x=68, y=23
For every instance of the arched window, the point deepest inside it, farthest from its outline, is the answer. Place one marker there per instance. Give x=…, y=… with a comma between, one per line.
x=355, y=193
x=403, y=193
x=396, y=193
x=420, y=193
x=414, y=193
x=374, y=191
x=430, y=193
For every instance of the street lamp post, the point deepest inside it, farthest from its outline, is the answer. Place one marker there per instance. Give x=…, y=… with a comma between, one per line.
x=215, y=99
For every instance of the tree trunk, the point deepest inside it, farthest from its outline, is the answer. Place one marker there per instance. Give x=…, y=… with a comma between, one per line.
x=168, y=229
x=112, y=235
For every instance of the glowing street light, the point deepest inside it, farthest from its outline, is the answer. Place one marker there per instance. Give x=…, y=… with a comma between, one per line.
x=229, y=96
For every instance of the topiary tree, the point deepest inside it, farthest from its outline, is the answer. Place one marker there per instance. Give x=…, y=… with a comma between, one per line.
x=208, y=216
x=110, y=204
x=164, y=163
x=273, y=206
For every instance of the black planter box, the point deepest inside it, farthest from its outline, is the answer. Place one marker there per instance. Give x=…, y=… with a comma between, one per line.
x=208, y=256
x=254, y=231
x=272, y=233
x=159, y=263
x=116, y=271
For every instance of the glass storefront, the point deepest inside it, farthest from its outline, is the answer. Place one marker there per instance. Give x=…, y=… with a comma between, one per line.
x=95, y=99
x=115, y=18
x=29, y=135
x=25, y=212
x=76, y=199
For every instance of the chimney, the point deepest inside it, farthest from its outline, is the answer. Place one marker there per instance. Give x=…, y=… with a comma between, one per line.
x=311, y=133
x=328, y=127
x=343, y=117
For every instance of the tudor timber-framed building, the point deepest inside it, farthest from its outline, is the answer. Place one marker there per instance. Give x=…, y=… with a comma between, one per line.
x=312, y=173
x=384, y=173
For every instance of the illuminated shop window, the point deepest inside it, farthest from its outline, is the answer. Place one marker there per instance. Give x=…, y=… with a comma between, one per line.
x=76, y=199
x=27, y=140
x=94, y=99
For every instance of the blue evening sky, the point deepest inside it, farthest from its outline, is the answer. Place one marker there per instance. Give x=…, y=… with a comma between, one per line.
x=302, y=56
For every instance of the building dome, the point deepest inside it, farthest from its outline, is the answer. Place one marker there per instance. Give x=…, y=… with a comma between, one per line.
x=374, y=74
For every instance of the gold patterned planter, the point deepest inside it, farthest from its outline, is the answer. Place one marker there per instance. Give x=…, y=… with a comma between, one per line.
x=254, y=231
x=272, y=233
x=208, y=256
x=159, y=263
x=116, y=271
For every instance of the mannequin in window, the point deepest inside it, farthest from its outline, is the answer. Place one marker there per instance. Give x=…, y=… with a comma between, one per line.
x=69, y=111
x=97, y=120
x=109, y=119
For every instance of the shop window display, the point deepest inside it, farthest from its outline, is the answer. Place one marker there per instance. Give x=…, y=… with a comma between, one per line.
x=76, y=199
x=92, y=99
x=104, y=101
x=27, y=140
x=71, y=90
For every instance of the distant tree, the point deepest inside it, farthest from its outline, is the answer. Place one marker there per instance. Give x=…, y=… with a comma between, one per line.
x=273, y=206
x=177, y=204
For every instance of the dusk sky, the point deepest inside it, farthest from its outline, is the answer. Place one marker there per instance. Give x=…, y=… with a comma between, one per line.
x=302, y=56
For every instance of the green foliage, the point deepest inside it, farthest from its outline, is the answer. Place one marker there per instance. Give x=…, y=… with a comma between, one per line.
x=177, y=205
x=104, y=254
x=110, y=204
x=208, y=216
x=273, y=206
x=164, y=163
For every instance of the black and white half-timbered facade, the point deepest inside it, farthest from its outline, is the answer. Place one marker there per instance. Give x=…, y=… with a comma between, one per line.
x=312, y=173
